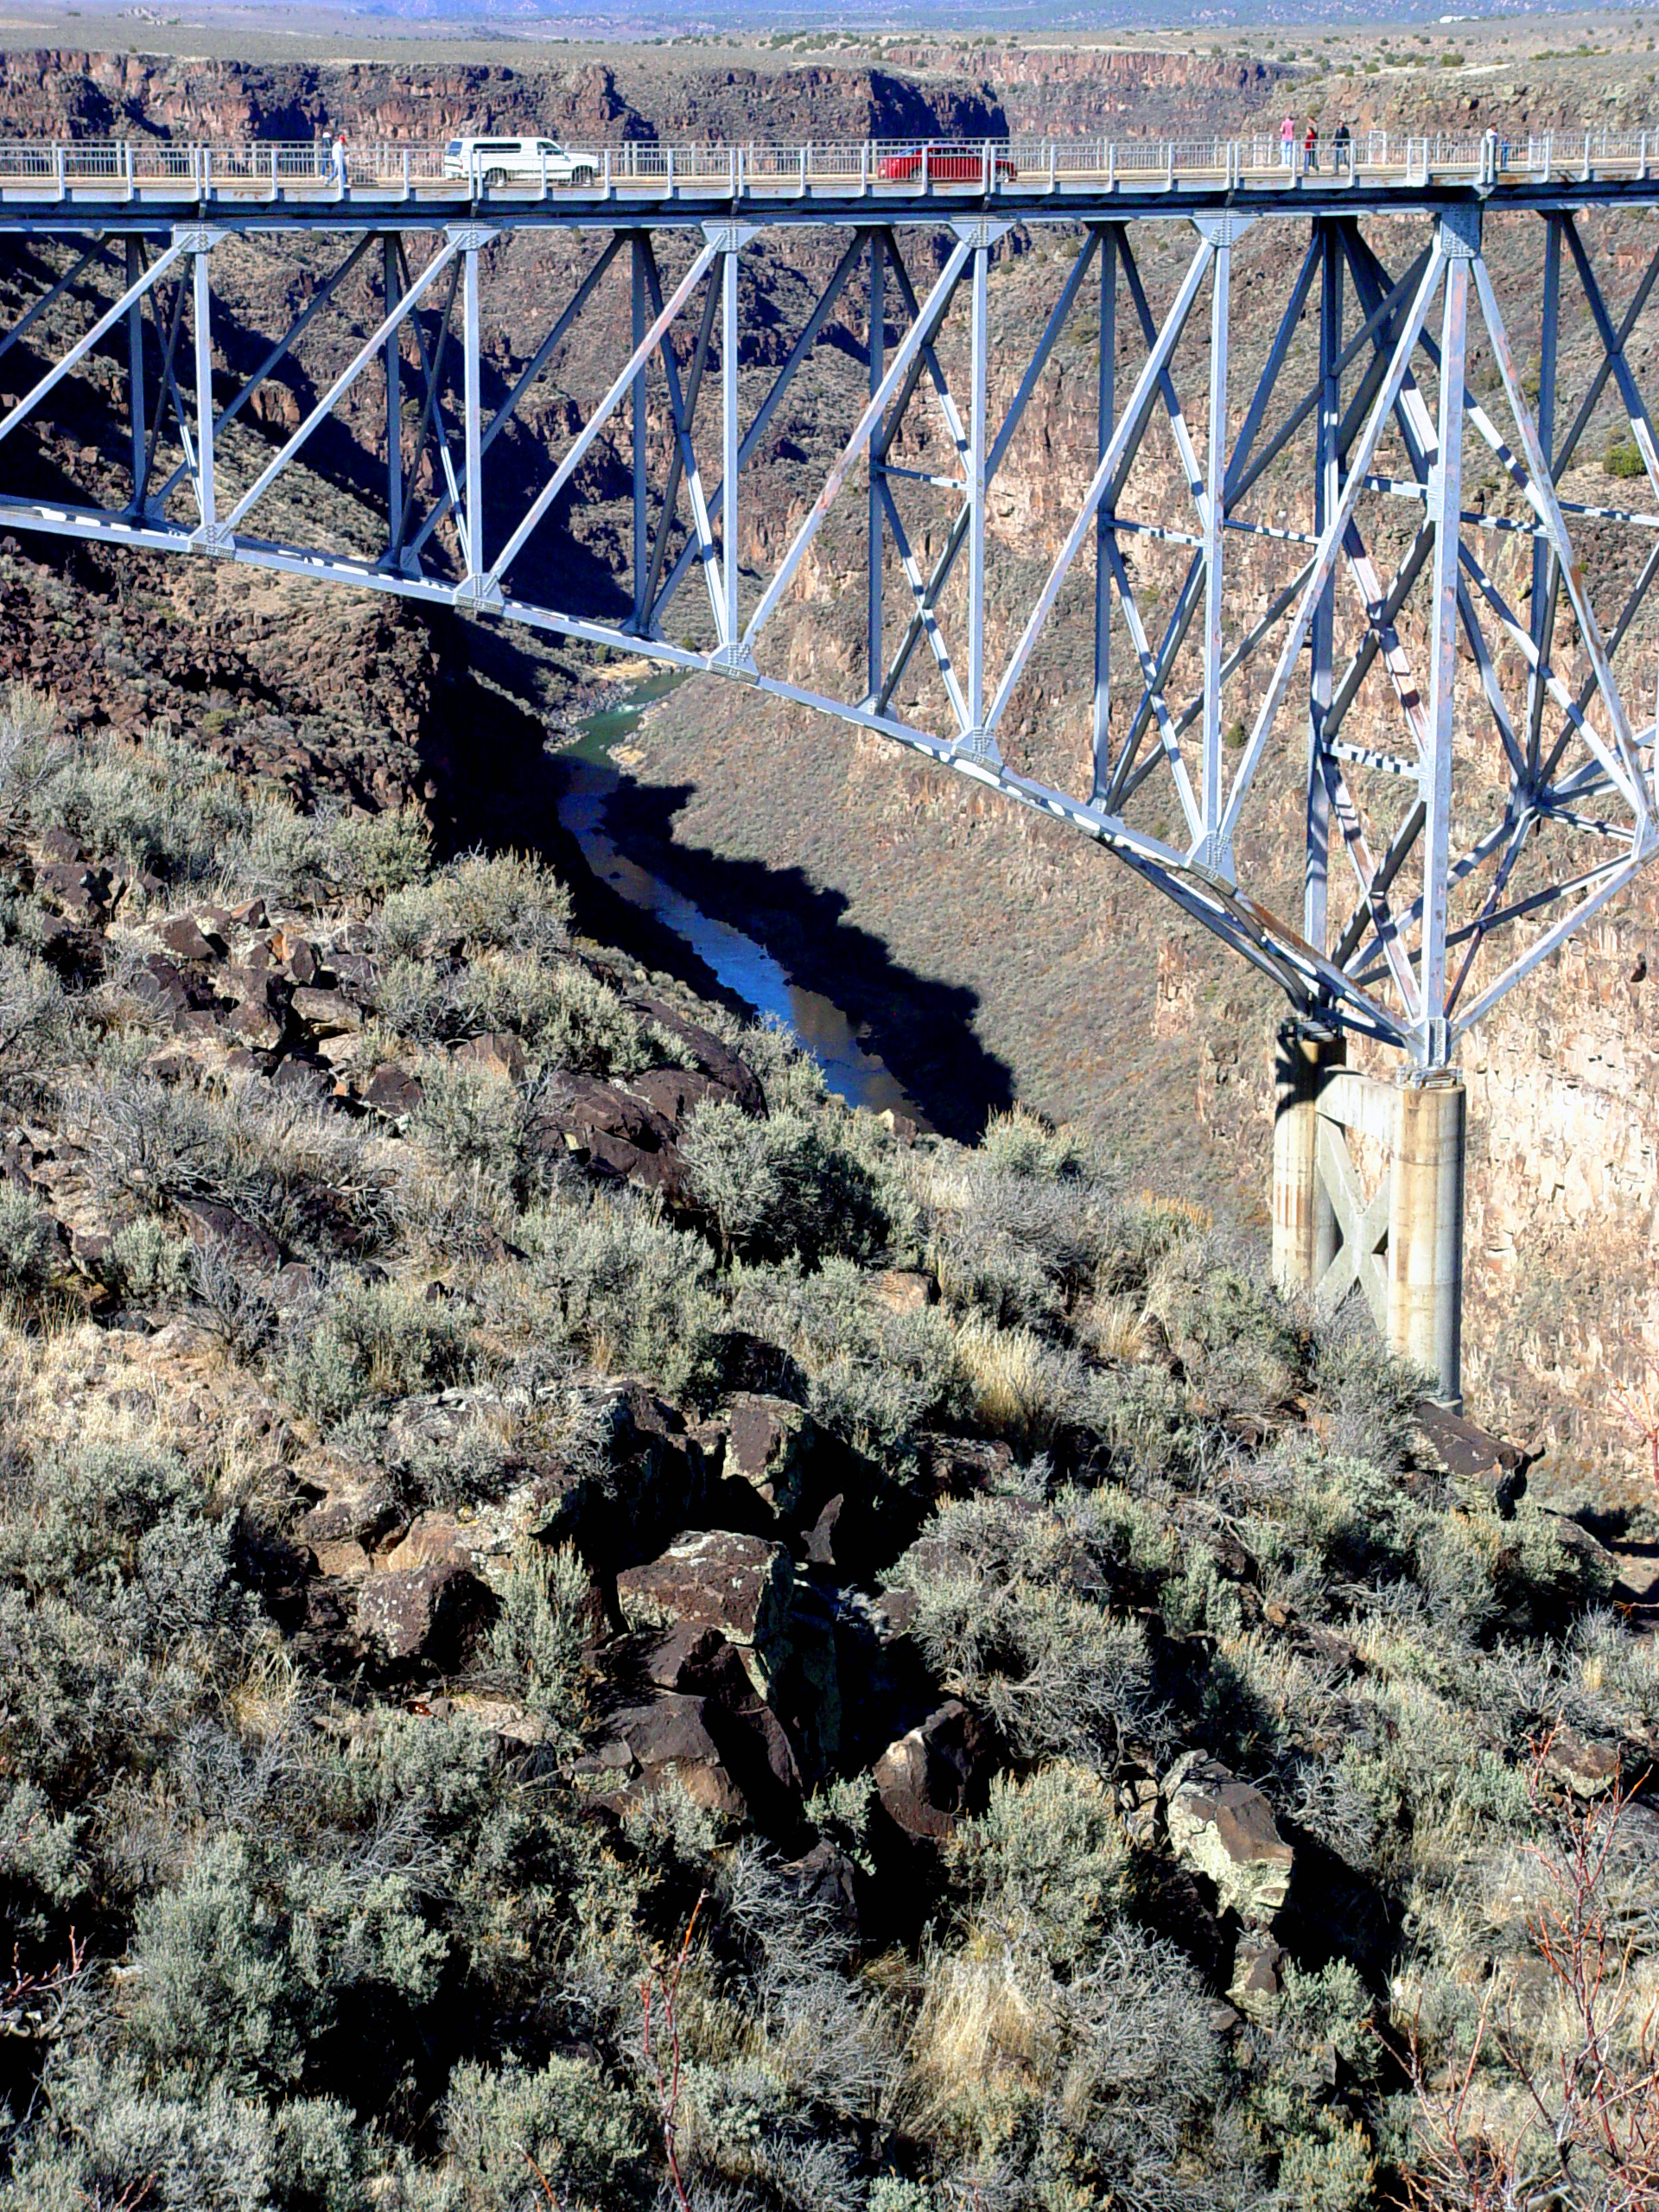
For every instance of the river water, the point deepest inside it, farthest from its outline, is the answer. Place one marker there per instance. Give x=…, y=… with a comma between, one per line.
x=743, y=965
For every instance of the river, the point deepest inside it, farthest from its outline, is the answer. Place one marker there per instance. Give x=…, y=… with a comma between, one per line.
x=741, y=964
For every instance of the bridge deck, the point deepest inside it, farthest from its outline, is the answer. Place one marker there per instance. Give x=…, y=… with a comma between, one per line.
x=264, y=181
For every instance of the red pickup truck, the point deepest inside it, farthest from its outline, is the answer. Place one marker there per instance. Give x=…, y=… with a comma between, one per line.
x=946, y=165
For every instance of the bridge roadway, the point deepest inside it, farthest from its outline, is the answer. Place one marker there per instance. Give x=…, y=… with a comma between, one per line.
x=143, y=182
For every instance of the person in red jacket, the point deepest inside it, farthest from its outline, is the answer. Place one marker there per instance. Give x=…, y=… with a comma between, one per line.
x=1310, y=147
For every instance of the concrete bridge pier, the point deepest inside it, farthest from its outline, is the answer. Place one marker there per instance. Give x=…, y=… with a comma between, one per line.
x=1402, y=1246
x=1425, y=1310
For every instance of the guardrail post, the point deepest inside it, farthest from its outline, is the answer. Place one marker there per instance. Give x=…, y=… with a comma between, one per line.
x=57, y=170
x=542, y=152
x=802, y=182
x=1051, y=165
x=1587, y=158
x=922, y=172
x=671, y=172
x=1111, y=166
x=406, y=172
x=607, y=174
x=127, y=159
x=731, y=171
x=864, y=170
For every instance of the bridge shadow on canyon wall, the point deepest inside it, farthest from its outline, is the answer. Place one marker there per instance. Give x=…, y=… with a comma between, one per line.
x=500, y=786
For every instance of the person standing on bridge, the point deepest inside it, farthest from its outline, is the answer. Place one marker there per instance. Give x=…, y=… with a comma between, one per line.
x=1311, y=149
x=1342, y=150
x=339, y=161
x=1287, y=142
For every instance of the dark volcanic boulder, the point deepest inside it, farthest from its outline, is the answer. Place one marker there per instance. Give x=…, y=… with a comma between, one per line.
x=712, y=1578
x=932, y=1774
x=423, y=1617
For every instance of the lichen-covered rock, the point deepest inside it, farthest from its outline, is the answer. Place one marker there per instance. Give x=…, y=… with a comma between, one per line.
x=711, y=1578
x=1225, y=1829
x=424, y=1616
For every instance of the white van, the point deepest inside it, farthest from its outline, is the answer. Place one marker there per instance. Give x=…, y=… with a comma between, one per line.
x=517, y=161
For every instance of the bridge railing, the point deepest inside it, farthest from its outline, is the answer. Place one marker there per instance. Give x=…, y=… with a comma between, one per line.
x=1020, y=167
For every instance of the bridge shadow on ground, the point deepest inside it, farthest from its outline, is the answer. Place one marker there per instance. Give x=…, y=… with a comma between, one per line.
x=505, y=788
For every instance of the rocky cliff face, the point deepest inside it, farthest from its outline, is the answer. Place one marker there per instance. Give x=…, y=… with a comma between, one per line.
x=61, y=92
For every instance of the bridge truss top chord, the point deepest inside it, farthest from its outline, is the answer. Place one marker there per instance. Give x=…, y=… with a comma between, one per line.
x=1346, y=586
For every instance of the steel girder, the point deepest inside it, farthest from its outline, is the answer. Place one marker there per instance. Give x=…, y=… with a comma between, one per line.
x=1365, y=669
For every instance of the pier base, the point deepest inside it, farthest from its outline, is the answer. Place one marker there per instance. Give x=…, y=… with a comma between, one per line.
x=1402, y=1246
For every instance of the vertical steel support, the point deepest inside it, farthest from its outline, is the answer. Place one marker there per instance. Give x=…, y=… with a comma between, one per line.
x=1445, y=512
x=1327, y=490
x=878, y=352
x=636, y=403
x=1426, y=1226
x=1211, y=852
x=1545, y=572
x=728, y=355
x=201, y=317
x=1106, y=421
x=471, y=403
x=1304, y=1220
x=977, y=478
x=394, y=400
x=136, y=376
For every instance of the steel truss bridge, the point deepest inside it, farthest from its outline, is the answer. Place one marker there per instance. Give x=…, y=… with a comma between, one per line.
x=1332, y=605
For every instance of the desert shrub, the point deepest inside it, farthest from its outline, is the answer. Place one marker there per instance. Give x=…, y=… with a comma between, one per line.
x=789, y=1075
x=147, y=1261
x=874, y=1375
x=1021, y=1143
x=481, y=903
x=25, y=1242
x=1327, y=2157
x=235, y=1300
x=1053, y=1849
x=539, y=1635
x=568, y=1016
x=31, y=749
x=159, y=805
x=999, y=1619
x=782, y=1187
x=305, y=1176
x=474, y=1116
x=1623, y=457
x=1019, y=1386
x=585, y=2135
x=1234, y=1334
x=1108, y=2082
x=105, y=2136
x=36, y=1024
x=1019, y=1227
x=1367, y=1396
x=631, y=1290
x=369, y=1342
x=116, y=1591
